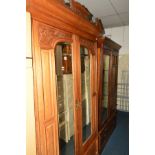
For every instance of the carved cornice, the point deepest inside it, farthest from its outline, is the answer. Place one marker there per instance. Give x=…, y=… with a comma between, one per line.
x=111, y=44
x=48, y=36
x=57, y=14
x=88, y=44
x=81, y=10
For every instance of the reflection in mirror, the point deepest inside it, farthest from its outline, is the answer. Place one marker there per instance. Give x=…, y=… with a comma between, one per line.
x=85, y=93
x=104, y=105
x=64, y=80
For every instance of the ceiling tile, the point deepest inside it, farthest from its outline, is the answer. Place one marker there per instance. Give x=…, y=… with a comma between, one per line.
x=121, y=5
x=98, y=8
x=111, y=21
x=104, y=10
x=125, y=18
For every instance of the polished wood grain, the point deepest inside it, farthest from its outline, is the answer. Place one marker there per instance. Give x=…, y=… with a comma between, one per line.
x=45, y=97
x=77, y=91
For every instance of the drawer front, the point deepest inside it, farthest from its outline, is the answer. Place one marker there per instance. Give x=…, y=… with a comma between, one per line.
x=61, y=118
x=60, y=87
x=61, y=107
x=60, y=94
x=62, y=132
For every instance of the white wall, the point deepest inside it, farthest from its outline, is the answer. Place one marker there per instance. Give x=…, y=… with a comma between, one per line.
x=121, y=36
x=30, y=119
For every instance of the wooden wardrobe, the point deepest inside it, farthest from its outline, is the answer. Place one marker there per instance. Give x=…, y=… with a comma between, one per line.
x=108, y=52
x=67, y=55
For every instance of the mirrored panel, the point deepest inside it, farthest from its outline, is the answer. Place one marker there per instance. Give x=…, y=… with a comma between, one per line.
x=105, y=88
x=85, y=93
x=64, y=79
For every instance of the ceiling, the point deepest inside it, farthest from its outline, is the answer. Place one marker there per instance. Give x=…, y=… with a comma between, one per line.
x=113, y=13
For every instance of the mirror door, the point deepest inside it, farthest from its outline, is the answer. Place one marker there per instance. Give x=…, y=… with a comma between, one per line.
x=86, y=93
x=88, y=100
x=65, y=98
x=76, y=98
x=105, y=89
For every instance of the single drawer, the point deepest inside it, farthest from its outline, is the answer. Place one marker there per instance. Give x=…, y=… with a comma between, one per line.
x=61, y=118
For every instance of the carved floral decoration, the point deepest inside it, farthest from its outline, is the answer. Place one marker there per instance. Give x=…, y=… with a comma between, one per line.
x=48, y=35
x=89, y=44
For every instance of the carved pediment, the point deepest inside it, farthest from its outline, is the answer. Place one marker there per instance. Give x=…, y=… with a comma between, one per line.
x=59, y=13
x=77, y=8
x=81, y=10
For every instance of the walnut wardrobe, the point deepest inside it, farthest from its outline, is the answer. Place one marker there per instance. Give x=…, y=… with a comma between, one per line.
x=65, y=68
x=108, y=52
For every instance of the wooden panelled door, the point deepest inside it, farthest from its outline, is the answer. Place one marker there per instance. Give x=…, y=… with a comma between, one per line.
x=65, y=90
